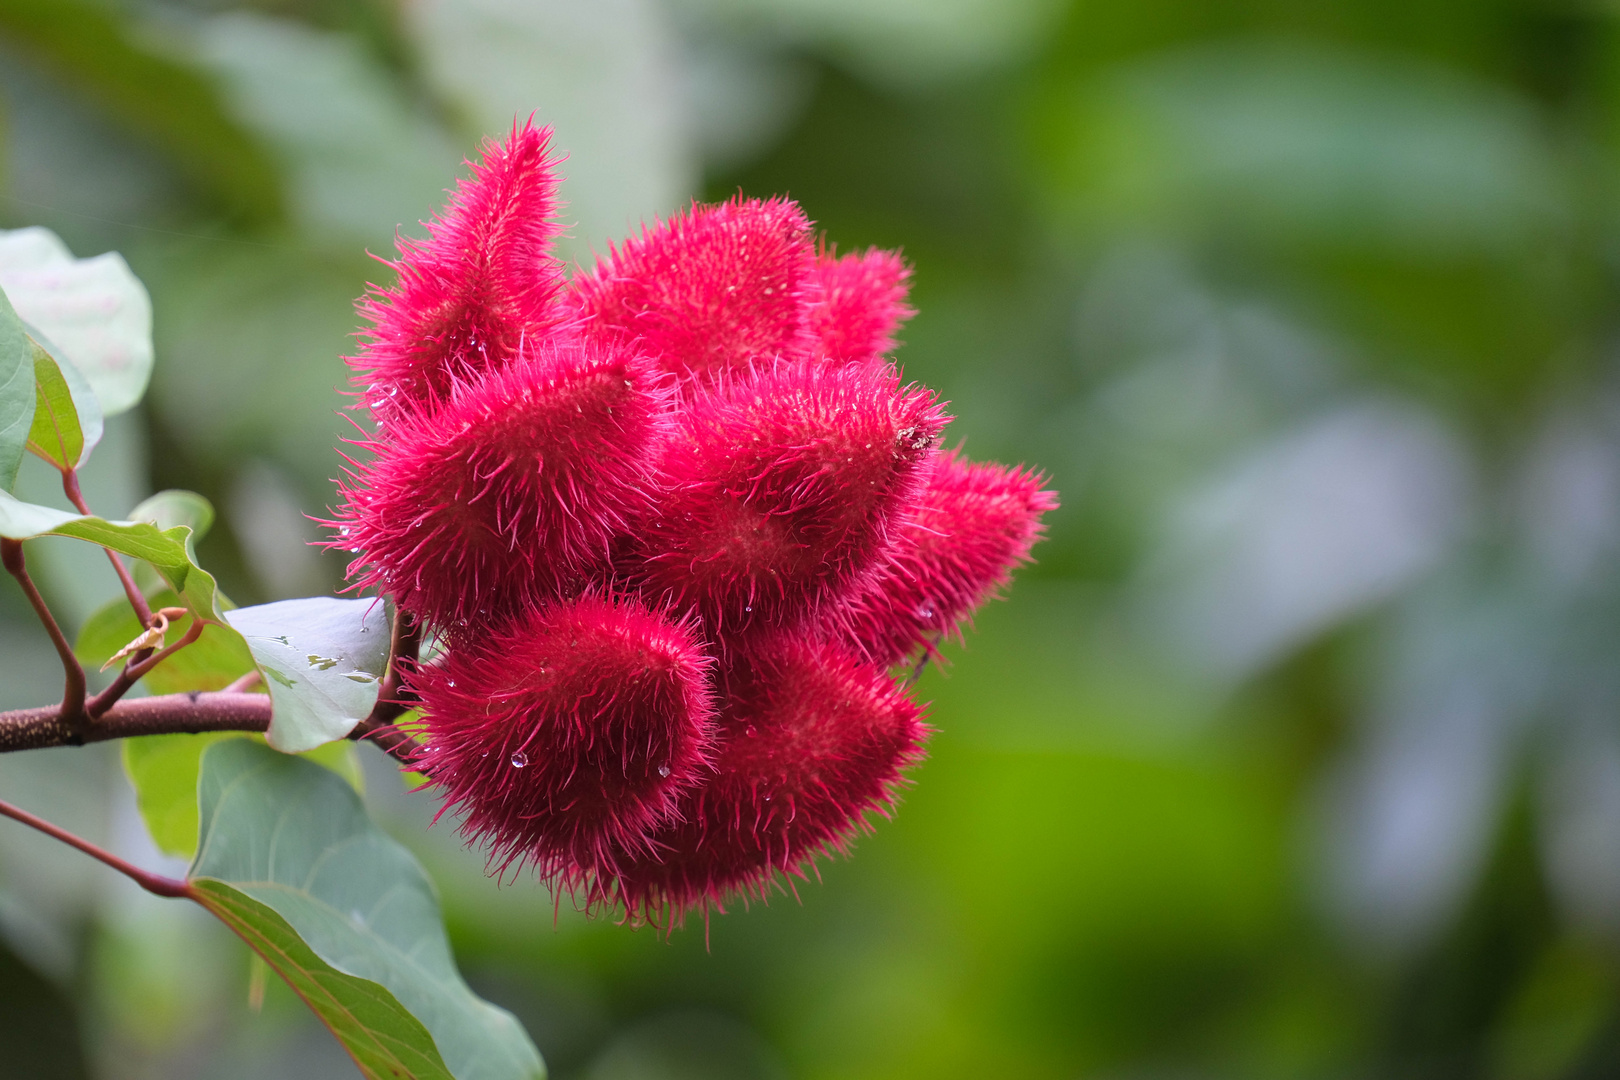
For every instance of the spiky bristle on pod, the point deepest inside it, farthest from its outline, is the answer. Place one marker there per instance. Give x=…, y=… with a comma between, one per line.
x=469, y=296
x=956, y=549
x=855, y=304
x=567, y=735
x=784, y=486
x=514, y=491
x=707, y=291
x=809, y=741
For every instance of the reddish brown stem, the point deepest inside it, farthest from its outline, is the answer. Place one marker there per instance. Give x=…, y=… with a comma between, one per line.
x=70, y=487
x=152, y=883
x=71, y=710
x=172, y=714
x=38, y=728
x=393, y=696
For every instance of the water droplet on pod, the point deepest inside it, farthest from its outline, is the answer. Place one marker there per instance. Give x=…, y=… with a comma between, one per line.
x=663, y=770
x=519, y=760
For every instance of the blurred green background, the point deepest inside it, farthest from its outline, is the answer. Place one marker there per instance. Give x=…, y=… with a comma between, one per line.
x=1297, y=755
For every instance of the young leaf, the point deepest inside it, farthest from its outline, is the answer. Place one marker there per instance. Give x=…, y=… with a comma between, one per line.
x=289, y=860
x=322, y=659
x=67, y=418
x=215, y=660
x=95, y=311
x=16, y=392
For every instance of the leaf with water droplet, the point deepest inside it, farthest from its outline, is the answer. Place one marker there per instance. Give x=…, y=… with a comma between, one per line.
x=310, y=650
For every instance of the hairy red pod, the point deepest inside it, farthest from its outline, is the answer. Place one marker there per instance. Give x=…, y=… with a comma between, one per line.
x=809, y=741
x=956, y=549
x=515, y=489
x=567, y=735
x=855, y=304
x=469, y=296
x=708, y=291
x=783, y=488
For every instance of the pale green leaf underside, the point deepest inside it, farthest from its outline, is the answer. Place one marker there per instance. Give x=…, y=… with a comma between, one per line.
x=16, y=392
x=95, y=311
x=294, y=838
x=322, y=659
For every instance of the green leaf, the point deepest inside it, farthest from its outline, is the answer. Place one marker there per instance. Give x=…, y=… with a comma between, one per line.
x=175, y=506
x=95, y=313
x=380, y=1034
x=322, y=659
x=16, y=392
x=163, y=770
x=289, y=860
x=67, y=416
x=168, y=550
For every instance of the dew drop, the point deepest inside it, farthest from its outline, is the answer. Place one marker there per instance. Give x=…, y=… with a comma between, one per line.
x=750, y=607
x=750, y=731
x=520, y=760
x=767, y=798
x=663, y=770
x=925, y=612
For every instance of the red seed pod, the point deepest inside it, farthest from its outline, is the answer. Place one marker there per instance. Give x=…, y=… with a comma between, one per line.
x=708, y=291
x=515, y=489
x=470, y=295
x=956, y=549
x=784, y=485
x=855, y=304
x=567, y=735
x=809, y=741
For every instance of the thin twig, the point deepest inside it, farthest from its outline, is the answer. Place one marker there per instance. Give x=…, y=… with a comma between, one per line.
x=70, y=487
x=152, y=883
x=72, y=708
x=396, y=742
x=394, y=697
x=245, y=683
x=931, y=648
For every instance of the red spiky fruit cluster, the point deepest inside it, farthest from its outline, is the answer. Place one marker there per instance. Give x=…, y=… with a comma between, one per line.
x=673, y=522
